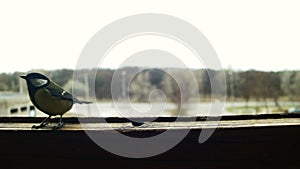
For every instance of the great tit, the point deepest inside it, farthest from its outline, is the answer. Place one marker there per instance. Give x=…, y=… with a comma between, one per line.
x=49, y=97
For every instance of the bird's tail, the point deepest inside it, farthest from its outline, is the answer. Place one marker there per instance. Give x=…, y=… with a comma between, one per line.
x=75, y=100
x=84, y=102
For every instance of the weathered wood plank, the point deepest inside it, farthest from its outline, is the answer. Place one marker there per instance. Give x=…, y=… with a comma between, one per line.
x=160, y=125
x=236, y=143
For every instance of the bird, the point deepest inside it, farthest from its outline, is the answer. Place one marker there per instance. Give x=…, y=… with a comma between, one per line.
x=49, y=97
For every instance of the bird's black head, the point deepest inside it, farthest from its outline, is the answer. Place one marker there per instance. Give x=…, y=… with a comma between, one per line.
x=36, y=80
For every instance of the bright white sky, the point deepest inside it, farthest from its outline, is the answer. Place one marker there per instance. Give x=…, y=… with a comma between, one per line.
x=259, y=34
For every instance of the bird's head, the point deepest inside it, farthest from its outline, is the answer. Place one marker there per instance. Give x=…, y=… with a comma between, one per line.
x=36, y=79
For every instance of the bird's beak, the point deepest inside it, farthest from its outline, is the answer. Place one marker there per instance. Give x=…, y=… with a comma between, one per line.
x=23, y=77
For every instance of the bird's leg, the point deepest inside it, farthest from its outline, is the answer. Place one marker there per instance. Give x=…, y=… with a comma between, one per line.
x=60, y=124
x=43, y=123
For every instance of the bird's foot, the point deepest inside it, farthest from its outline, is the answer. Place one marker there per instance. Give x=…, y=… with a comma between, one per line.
x=60, y=125
x=43, y=124
x=39, y=126
x=36, y=127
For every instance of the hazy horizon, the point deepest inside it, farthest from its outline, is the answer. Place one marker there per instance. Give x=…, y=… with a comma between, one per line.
x=161, y=68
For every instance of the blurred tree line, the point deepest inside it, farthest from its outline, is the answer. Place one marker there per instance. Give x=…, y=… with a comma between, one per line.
x=246, y=85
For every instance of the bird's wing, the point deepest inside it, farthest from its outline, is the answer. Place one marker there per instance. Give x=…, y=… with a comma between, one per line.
x=62, y=94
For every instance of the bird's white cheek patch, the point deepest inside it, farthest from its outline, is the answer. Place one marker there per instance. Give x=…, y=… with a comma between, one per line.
x=38, y=82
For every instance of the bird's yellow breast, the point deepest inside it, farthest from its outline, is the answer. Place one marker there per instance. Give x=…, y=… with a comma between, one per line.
x=51, y=105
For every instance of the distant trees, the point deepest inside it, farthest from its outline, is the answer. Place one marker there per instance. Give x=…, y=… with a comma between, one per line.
x=140, y=87
x=274, y=87
x=155, y=77
x=102, y=83
x=171, y=89
x=250, y=84
x=286, y=81
x=10, y=81
x=246, y=86
x=259, y=86
x=75, y=86
x=62, y=76
x=290, y=84
x=5, y=82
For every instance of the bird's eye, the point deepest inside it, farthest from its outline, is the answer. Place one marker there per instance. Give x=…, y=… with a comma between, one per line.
x=38, y=82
